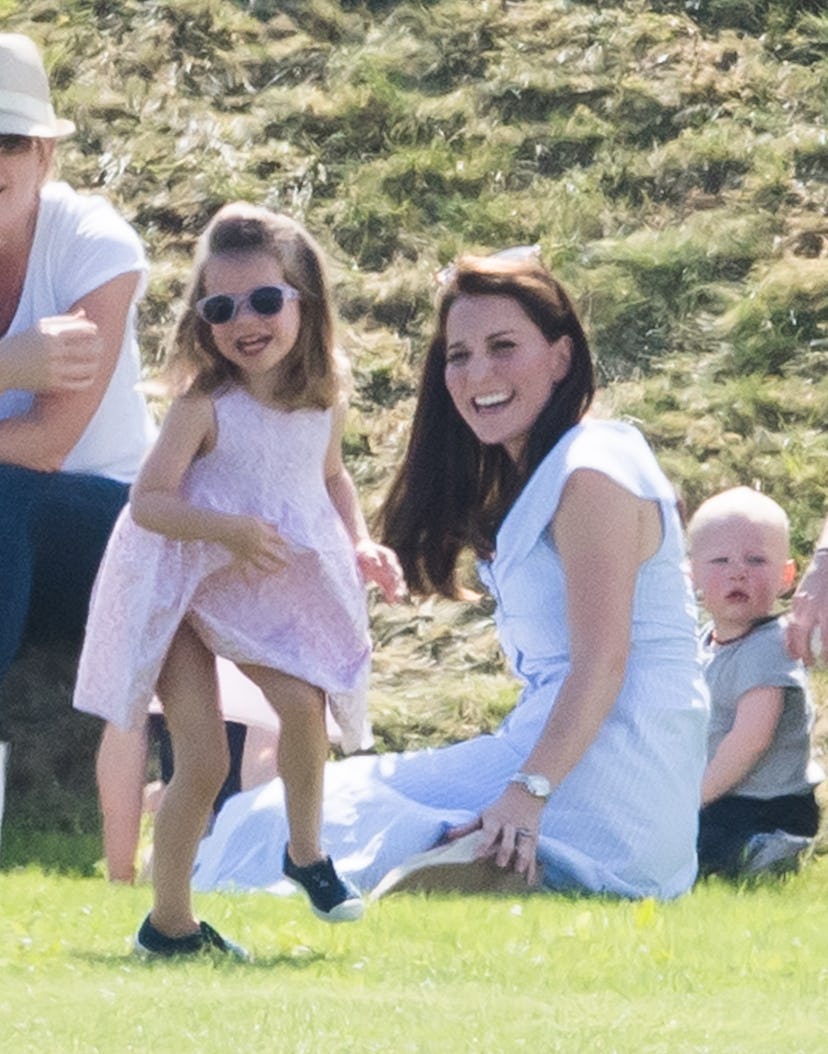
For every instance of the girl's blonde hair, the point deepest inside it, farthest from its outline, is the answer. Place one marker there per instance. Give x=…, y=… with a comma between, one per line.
x=311, y=375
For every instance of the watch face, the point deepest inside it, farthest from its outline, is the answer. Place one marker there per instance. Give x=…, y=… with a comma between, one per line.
x=538, y=786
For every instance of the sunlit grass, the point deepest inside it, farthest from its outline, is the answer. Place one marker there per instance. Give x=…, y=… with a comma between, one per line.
x=736, y=971
x=670, y=160
x=787, y=311
x=403, y=133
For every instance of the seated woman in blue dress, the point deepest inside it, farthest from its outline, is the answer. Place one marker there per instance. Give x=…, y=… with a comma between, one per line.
x=592, y=782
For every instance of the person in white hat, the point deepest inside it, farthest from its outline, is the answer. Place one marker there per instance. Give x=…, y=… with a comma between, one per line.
x=73, y=427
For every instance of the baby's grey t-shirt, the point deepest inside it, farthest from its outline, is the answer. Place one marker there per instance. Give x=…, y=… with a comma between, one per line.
x=760, y=660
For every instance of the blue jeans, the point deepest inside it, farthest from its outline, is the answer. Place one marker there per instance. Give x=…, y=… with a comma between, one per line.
x=54, y=527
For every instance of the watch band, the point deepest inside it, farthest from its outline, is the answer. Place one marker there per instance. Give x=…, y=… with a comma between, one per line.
x=533, y=783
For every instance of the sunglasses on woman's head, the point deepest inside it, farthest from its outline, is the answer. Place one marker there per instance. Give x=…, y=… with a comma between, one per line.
x=514, y=252
x=264, y=300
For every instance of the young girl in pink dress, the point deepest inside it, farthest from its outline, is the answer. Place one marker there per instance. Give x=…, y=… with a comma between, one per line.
x=243, y=538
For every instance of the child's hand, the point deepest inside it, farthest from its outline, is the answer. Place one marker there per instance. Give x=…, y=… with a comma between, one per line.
x=380, y=565
x=258, y=543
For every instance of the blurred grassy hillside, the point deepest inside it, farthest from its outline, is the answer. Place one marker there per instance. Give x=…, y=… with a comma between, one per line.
x=670, y=158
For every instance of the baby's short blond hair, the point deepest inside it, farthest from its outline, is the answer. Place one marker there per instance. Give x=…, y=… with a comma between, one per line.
x=739, y=503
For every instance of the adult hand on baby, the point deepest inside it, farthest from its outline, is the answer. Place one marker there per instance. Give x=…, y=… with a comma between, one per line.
x=510, y=826
x=807, y=626
x=379, y=564
x=61, y=353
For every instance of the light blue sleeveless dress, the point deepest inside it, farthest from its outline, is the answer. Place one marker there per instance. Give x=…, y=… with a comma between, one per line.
x=624, y=820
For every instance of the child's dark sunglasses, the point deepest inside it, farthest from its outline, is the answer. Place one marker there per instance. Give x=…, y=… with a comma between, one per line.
x=264, y=300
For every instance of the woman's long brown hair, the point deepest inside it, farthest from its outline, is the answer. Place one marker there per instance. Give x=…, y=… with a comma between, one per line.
x=451, y=491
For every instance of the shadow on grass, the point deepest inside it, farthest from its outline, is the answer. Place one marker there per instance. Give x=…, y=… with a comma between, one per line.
x=286, y=960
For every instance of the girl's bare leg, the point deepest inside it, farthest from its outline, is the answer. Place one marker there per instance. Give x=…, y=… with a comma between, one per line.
x=120, y=770
x=303, y=750
x=187, y=688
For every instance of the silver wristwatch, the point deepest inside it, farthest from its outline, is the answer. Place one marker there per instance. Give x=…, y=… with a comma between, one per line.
x=538, y=786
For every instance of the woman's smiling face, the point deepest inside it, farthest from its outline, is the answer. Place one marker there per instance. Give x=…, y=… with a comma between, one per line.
x=500, y=369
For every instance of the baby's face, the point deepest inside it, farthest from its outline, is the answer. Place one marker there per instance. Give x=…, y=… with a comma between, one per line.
x=740, y=567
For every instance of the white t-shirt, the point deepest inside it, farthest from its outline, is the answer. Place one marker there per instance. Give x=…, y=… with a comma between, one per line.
x=81, y=243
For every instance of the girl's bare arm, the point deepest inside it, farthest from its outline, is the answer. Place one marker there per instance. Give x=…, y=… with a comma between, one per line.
x=377, y=563
x=158, y=504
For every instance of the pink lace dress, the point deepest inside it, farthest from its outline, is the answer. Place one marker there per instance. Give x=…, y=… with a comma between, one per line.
x=308, y=619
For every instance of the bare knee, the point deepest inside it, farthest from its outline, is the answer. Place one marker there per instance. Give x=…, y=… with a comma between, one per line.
x=203, y=771
x=296, y=701
x=305, y=711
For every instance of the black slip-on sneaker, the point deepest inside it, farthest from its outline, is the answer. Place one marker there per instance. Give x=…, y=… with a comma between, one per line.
x=332, y=898
x=152, y=943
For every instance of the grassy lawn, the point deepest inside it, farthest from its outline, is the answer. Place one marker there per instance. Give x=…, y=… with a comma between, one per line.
x=723, y=969
x=670, y=158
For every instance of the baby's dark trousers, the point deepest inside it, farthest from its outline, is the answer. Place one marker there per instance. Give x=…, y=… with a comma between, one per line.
x=726, y=825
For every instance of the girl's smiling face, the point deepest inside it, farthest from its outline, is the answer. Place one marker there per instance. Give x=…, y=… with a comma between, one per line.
x=741, y=567
x=500, y=369
x=256, y=344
